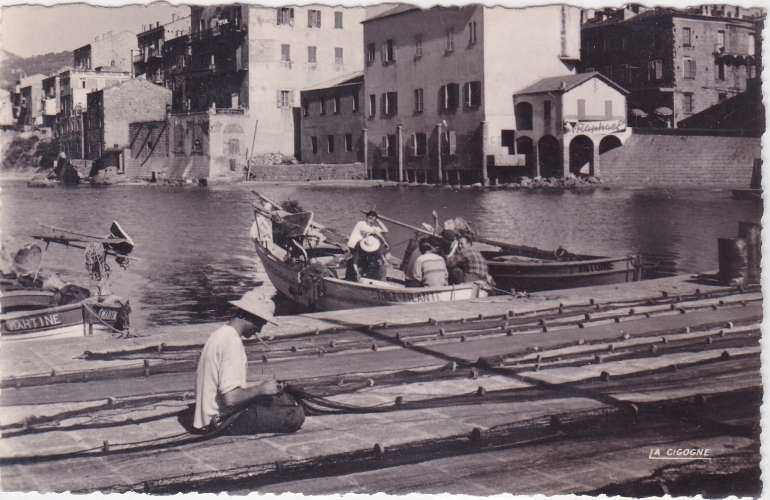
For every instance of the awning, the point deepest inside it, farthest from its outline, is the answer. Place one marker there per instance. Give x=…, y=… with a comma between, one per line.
x=638, y=113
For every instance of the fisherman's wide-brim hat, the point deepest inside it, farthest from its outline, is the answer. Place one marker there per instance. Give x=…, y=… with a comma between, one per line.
x=370, y=244
x=371, y=213
x=257, y=305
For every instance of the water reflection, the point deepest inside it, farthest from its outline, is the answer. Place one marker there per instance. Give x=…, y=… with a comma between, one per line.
x=195, y=254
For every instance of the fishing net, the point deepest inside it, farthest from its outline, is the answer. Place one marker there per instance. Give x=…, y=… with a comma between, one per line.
x=96, y=264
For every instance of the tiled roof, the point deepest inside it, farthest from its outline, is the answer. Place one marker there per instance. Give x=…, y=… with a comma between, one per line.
x=349, y=78
x=399, y=9
x=566, y=82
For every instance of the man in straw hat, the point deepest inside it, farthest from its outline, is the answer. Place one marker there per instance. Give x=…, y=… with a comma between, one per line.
x=222, y=395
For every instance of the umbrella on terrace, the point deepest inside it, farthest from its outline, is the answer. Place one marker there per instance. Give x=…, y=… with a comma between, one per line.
x=664, y=111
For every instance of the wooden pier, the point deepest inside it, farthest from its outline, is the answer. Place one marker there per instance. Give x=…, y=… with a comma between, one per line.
x=561, y=392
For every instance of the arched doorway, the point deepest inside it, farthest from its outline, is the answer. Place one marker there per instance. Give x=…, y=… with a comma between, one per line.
x=549, y=153
x=525, y=146
x=581, y=156
x=609, y=143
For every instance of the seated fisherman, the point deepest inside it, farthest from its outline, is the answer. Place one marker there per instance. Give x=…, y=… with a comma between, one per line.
x=466, y=264
x=222, y=395
x=430, y=268
x=367, y=260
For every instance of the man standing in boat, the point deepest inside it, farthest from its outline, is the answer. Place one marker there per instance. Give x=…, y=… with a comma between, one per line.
x=222, y=395
x=372, y=225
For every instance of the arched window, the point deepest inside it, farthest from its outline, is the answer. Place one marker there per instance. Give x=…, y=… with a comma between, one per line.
x=523, y=113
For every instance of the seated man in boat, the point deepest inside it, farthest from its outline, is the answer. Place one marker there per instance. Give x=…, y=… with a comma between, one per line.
x=430, y=268
x=367, y=260
x=372, y=225
x=411, y=254
x=222, y=395
x=466, y=264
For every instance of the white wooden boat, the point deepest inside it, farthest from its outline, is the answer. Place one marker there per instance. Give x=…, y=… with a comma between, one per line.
x=33, y=315
x=313, y=281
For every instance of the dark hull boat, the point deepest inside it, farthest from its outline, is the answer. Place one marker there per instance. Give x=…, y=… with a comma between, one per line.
x=514, y=272
x=523, y=268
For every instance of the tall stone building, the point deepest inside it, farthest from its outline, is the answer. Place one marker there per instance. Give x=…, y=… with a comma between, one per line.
x=674, y=63
x=236, y=79
x=439, y=86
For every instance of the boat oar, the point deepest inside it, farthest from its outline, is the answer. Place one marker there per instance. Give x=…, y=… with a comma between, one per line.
x=499, y=244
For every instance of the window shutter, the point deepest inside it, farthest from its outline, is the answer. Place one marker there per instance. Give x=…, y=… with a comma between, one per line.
x=476, y=92
x=277, y=98
x=452, y=142
x=384, y=105
x=291, y=17
x=384, y=52
x=442, y=102
x=413, y=138
x=291, y=98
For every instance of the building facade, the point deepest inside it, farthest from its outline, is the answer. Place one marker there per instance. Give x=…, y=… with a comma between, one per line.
x=110, y=110
x=148, y=58
x=109, y=50
x=332, y=122
x=242, y=68
x=74, y=87
x=27, y=100
x=564, y=124
x=674, y=63
x=439, y=86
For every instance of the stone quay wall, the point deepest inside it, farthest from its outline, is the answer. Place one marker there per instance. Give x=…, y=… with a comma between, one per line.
x=676, y=157
x=309, y=172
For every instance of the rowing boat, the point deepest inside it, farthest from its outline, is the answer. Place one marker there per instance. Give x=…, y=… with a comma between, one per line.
x=34, y=314
x=530, y=269
x=30, y=309
x=311, y=277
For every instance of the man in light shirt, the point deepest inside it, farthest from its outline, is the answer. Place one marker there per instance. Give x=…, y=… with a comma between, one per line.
x=430, y=268
x=223, y=397
x=363, y=228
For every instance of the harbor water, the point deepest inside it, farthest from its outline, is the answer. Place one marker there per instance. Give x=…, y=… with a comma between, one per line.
x=193, y=253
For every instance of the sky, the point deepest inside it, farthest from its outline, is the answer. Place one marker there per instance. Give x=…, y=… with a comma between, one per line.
x=30, y=30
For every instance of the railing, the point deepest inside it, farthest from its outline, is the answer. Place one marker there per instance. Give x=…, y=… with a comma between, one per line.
x=222, y=29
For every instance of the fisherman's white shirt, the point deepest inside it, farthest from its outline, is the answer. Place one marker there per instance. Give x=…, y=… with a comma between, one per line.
x=221, y=368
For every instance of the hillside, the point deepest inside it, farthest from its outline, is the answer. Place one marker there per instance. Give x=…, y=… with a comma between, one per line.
x=12, y=66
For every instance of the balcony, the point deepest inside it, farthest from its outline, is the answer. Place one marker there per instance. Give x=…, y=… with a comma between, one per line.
x=731, y=56
x=223, y=30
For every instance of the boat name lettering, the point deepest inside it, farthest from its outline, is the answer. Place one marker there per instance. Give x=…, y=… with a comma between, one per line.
x=599, y=266
x=384, y=296
x=108, y=314
x=15, y=325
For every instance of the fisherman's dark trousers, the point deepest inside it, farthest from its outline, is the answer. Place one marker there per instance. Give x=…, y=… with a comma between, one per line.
x=269, y=414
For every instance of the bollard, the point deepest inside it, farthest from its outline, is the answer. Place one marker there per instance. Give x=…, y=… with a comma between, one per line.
x=370, y=382
x=146, y=363
x=379, y=450
x=105, y=446
x=580, y=324
x=474, y=373
x=587, y=316
x=441, y=332
x=293, y=348
x=462, y=338
x=604, y=376
x=752, y=234
x=481, y=391
x=733, y=261
x=510, y=313
x=53, y=372
x=454, y=366
x=374, y=347
x=399, y=400
x=509, y=332
x=476, y=436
